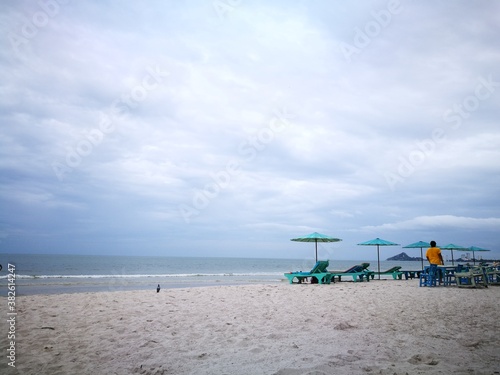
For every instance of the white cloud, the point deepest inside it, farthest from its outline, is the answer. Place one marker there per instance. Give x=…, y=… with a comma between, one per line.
x=439, y=222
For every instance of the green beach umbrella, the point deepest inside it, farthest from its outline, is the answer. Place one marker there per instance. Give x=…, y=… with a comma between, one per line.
x=378, y=242
x=473, y=249
x=452, y=247
x=316, y=237
x=416, y=245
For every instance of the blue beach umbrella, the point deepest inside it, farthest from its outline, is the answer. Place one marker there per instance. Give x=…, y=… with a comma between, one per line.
x=416, y=245
x=452, y=247
x=316, y=237
x=378, y=242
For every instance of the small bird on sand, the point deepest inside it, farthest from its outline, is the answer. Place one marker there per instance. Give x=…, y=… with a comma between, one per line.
x=158, y=289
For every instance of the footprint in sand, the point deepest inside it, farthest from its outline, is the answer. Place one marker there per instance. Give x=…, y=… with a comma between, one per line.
x=257, y=350
x=419, y=359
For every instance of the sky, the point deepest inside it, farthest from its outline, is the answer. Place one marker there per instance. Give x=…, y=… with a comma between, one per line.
x=225, y=128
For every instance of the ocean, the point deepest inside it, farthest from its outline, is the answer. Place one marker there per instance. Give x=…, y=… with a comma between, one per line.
x=50, y=274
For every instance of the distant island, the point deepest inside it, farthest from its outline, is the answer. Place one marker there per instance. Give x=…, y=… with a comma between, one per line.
x=404, y=257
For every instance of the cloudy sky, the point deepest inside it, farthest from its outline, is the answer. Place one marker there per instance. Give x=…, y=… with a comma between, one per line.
x=226, y=128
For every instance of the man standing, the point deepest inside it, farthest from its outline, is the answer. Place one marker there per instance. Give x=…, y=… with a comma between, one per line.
x=433, y=254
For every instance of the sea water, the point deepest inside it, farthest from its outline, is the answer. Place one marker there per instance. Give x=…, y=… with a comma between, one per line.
x=48, y=274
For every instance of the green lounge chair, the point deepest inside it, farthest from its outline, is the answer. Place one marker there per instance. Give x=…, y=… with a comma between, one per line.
x=318, y=271
x=394, y=272
x=369, y=274
x=359, y=272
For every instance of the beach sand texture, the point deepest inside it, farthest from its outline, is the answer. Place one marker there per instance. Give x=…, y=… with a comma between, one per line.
x=380, y=327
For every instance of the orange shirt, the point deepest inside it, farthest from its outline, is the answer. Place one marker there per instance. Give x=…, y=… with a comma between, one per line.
x=432, y=255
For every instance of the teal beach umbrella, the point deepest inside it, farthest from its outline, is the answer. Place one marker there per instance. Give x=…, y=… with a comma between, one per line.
x=473, y=249
x=421, y=245
x=452, y=247
x=378, y=242
x=316, y=237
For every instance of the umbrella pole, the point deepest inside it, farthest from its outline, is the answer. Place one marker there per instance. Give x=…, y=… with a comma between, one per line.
x=422, y=258
x=452, y=260
x=316, y=250
x=473, y=257
x=378, y=262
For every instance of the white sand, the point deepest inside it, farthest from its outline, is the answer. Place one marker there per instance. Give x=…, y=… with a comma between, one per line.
x=380, y=327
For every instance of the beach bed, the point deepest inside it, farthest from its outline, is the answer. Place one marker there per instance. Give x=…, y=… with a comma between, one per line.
x=359, y=272
x=394, y=272
x=318, y=273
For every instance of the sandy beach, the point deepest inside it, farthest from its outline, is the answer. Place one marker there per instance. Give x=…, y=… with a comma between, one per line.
x=380, y=327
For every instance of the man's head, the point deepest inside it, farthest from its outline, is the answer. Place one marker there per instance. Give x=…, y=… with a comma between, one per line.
x=433, y=243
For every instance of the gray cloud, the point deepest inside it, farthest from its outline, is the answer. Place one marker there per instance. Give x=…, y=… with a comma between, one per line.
x=399, y=141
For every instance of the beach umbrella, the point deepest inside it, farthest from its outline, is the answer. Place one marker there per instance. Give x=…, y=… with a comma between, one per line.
x=416, y=245
x=452, y=247
x=316, y=237
x=473, y=249
x=378, y=242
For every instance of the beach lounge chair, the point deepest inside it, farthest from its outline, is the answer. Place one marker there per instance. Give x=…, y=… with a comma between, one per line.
x=359, y=272
x=318, y=272
x=394, y=272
